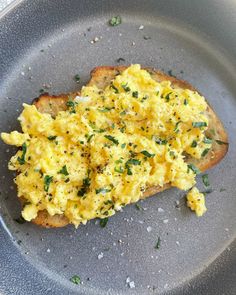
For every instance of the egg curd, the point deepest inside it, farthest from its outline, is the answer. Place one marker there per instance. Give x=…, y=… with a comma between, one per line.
x=108, y=147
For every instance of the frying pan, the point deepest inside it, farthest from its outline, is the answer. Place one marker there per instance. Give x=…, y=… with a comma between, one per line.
x=43, y=45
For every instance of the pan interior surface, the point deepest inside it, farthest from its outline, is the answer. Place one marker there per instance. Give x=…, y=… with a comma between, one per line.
x=120, y=258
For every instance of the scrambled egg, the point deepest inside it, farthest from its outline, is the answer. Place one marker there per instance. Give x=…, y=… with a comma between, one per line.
x=196, y=201
x=108, y=147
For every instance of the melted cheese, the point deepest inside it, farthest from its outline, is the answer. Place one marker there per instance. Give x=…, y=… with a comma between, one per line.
x=108, y=147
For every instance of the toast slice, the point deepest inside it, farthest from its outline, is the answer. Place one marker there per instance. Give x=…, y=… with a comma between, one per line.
x=101, y=77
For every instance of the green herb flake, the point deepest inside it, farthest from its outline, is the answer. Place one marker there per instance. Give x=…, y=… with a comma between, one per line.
x=77, y=78
x=119, y=169
x=194, y=144
x=125, y=87
x=205, y=152
x=135, y=94
x=221, y=142
x=199, y=124
x=114, y=88
x=194, y=168
x=71, y=104
x=47, y=180
x=185, y=101
x=111, y=138
x=158, y=243
x=161, y=141
x=176, y=129
x=138, y=207
x=90, y=137
x=123, y=113
x=105, y=109
x=103, y=222
x=52, y=137
x=102, y=190
x=167, y=97
x=207, y=140
x=21, y=159
x=75, y=280
x=85, y=186
x=147, y=154
x=123, y=145
x=64, y=170
x=129, y=163
x=115, y=21
x=205, y=180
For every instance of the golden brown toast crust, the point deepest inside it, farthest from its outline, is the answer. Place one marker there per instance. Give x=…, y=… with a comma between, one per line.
x=101, y=77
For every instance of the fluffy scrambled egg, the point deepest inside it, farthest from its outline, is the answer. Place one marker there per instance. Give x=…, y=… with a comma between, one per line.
x=108, y=147
x=196, y=201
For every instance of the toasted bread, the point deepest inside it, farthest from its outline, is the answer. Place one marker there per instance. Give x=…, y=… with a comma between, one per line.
x=101, y=77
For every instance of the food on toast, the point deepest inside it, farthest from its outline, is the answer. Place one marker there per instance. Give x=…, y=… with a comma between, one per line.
x=127, y=135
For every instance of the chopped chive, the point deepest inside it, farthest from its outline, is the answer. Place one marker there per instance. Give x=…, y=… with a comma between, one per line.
x=111, y=138
x=221, y=142
x=199, y=124
x=103, y=222
x=64, y=170
x=135, y=94
x=194, y=168
x=207, y=140
x=75, y=279
x=47, y=180
x=158, y=244
x=102, y=190
x=113, y=87
x=123, y=145
x=205, y=152
x=77, y=78
x=51, y=137
x=194, y=144
x=205, y=180
x=147, y=154
x=115, y=21
x=21, y=159
x=185, y=101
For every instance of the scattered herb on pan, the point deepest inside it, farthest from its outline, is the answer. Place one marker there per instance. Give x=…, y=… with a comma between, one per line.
x=120, y=59
x=77, y=78
x=205, y=180
x=21, y=159
x=138, y=207
x=158, y=243
x=129, y=163
x=114, y=88
x=75, y=280
x=103, y=222
x=41, y=91
x=115, y=21
x=125, y=87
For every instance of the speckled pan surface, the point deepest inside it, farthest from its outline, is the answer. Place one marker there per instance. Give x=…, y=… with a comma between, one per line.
x=44, y=44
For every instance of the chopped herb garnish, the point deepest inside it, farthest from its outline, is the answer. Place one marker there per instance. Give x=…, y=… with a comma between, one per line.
x=75, y=279
x=103, y=190
x=77, y=78
x=207, y=140
x=123, y=113
x=90, y=137
x=115, y=21
x=125, y=87
x=84, y=188
x=47, y=180
x=158, y=244
x=103, y=222
x=205, y=152
x=221, y=142
x=147, y=154
x=161, y=141
x=111, y=138
x=64, y=170
x=41, y=91
x=135, y=94
x=194, y=144
x=52, y=137
x=21, y=159
x=123, y=145
x=120, y=59
x=144, y=98
x=167, y=97
x=138, y=207
x=129, y=163
x=71, y=104
x=185, y=101
x=199, y=124
x=194, y=168
x=119, y=169
x=114, y=87
x=205, y=180
x=105, y=110
x=176, y=130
